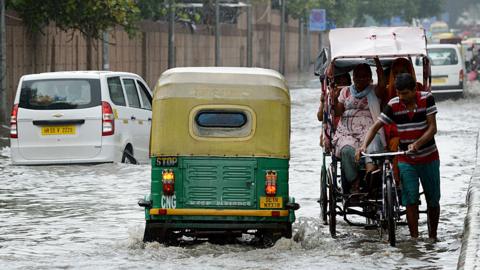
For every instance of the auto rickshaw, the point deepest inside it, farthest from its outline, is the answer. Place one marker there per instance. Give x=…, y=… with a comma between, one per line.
x=220, y=150
x=379, y=202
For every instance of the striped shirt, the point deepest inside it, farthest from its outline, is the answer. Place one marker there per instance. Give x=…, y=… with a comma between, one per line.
x=412, y=125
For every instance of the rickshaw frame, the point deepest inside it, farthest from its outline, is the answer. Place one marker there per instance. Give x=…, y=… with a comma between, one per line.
x=385, y=43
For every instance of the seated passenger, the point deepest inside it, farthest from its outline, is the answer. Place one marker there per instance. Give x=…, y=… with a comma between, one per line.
x=340, y=81
x=399, y=65
x=359, y=106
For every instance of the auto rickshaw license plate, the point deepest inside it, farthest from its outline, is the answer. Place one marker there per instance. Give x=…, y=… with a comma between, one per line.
x=271, y=202
x=58, y=130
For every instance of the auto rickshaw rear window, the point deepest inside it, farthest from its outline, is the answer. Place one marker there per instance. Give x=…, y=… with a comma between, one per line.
x=221, y=119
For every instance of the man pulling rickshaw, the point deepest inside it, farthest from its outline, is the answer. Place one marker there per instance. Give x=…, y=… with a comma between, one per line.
x=414, y=113
x=379, y=200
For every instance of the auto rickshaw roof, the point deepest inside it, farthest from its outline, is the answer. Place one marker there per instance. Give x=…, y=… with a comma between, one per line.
x=225, y=76
x=368, y=42
x=181, y=93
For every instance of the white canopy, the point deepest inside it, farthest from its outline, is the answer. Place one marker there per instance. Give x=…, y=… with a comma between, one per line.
x=382, y=41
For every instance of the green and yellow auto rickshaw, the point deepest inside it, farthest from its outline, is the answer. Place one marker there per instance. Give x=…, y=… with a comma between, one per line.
x=220, y=149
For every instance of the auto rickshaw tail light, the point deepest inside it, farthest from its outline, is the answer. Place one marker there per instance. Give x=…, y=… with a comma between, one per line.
x=108, y=119
x=271, y=183
x=13, y=122
x=168, y=182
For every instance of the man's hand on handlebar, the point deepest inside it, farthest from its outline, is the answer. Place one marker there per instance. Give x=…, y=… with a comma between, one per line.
x=413, y=147
x=358, y=152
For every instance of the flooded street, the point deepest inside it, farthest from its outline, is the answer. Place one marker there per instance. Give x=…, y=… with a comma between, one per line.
x=87, y=216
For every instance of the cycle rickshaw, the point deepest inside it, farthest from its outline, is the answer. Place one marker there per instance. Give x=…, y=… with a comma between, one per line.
x=379, y=204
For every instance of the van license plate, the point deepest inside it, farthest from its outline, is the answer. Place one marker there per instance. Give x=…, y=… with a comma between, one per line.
x=440, y=80
x=271, y=202
x=58, y=130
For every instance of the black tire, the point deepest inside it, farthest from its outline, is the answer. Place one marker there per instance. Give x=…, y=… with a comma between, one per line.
x=323, y=195
x=287, y=233
x=154, y=234
x=389, y=205
x=269, y=238
x=127, y=156
x=332, y=204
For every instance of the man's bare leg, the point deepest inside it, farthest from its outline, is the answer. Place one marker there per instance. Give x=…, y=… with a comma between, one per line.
x=412, y=220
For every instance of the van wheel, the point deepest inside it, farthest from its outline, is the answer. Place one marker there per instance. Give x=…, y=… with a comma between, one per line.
x=127, y=156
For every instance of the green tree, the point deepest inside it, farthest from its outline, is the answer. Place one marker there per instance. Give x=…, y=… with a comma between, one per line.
x=89, y=17
x=382, y=10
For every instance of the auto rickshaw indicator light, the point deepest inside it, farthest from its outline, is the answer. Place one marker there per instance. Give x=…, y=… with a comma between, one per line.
x=168, y=181
x=271, y=183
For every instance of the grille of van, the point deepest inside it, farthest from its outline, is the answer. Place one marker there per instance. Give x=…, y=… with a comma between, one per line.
x=219, y=183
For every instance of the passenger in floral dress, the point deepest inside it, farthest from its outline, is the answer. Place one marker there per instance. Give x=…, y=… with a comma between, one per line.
x=359, y=106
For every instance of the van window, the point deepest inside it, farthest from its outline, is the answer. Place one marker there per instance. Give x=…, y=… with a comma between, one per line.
x=221, y=119
x=64, y=94
x=132, y=94
x=443, y=56
x=145, y=95
x=116, y=91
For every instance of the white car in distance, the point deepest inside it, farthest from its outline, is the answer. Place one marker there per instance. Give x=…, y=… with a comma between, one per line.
x=447, y=70
x=80, y=117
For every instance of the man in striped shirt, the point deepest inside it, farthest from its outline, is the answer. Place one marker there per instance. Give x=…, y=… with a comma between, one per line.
x=414, y=114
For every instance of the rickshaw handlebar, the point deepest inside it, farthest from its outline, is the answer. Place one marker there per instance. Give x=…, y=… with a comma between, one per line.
x=386, y=154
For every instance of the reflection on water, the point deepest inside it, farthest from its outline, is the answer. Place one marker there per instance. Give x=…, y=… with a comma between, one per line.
x=87, y=217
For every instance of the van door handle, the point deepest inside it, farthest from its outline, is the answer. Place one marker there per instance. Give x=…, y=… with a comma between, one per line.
x=149, y=119
x=133, y=117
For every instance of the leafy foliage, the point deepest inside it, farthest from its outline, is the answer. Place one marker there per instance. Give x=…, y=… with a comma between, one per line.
x=352, y=12
x=90, y=17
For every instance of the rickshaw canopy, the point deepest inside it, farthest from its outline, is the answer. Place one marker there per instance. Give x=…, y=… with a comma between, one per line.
x=183, y=92
x=368, y=42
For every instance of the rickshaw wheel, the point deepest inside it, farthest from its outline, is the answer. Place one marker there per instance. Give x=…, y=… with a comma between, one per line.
x=155, y=234
x=288, y=232
x=269, y=238
x=391, y=226
x=323, y=195
x=332, y=203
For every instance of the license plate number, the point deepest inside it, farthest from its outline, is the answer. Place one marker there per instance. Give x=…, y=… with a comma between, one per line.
x=271, y=202
x=441, y=80
x=58, y=130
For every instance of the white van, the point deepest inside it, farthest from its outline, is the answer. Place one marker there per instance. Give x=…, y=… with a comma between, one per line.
x=448, y=69
x=80, y=117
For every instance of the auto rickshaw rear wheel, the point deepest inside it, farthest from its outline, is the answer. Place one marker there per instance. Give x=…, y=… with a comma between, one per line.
x=158, y=234
x=268, y=238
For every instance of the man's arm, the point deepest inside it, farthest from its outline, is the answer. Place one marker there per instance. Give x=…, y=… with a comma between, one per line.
x=380, y=89
x=427, y=136
x=368, y=138
x=339, y=107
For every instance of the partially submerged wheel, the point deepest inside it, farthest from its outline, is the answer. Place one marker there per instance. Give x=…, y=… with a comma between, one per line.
x=323, y=195
x=155, y=234
x=390, y=217
x=127, y=156
x=268, y=238
x=332, y=204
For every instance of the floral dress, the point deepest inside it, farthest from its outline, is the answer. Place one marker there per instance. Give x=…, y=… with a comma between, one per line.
x=354, y=123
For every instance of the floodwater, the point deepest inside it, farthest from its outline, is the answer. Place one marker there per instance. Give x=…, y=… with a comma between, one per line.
x=86, y=217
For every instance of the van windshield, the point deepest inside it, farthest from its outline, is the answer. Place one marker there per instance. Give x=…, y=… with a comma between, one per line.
x=54, y=94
